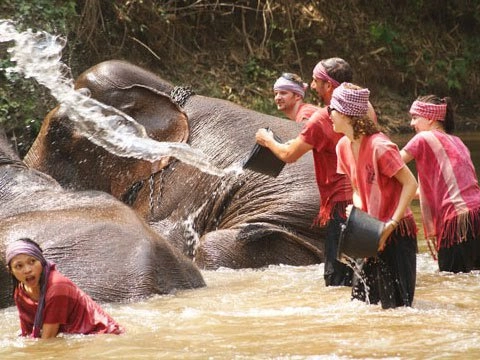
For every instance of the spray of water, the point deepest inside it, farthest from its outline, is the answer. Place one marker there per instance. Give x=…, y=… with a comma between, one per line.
x=37, y=55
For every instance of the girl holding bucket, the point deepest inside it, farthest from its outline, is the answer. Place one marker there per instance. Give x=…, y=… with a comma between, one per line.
x=449, y=191
x=383, y=187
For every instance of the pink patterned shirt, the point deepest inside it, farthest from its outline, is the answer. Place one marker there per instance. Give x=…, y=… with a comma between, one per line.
x=449, y=191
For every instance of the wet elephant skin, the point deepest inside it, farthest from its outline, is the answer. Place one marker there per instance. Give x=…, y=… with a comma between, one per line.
x=249, y=220
x=96, y=240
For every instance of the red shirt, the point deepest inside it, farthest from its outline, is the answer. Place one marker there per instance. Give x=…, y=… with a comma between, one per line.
x=305, y=112
x=449, y=191
x=378, y=161
x=333, y=187
x=67, y=305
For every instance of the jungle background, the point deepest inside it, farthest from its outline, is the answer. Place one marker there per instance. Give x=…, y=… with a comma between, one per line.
x=235, y=50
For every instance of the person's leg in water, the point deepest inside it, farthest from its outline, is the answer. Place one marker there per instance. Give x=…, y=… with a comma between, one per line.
x=397, y=271
x=461, y=257
x=336, y=273
x=364, y=282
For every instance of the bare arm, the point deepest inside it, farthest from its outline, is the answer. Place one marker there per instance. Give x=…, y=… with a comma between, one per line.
x=50, y=330
x=406, y=157
x=409, y=188
x=288, y=152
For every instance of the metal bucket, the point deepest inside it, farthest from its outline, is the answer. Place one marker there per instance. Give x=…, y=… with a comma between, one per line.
x=263, y=160
x=359, y=236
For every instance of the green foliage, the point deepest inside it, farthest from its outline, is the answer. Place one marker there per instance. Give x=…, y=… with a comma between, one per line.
x=235, y=49
x=53, y=16
x=23, y=103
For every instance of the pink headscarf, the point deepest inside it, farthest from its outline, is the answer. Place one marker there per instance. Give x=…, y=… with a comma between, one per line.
x=320, y=73
x=289, y=85
x=349, y=101
x=429, y=111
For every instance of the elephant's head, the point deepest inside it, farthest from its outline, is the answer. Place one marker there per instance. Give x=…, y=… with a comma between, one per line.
x=75, y=162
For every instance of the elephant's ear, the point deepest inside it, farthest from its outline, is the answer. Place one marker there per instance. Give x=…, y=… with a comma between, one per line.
x=162, y=118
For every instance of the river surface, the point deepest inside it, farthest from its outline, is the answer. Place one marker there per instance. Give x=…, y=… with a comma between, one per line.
x=281, y=312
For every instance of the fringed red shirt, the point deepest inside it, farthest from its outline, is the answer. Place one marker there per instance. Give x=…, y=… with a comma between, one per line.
x=334, y=188
x=449, y=191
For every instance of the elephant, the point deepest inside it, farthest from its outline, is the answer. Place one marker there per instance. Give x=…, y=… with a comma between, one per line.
x=97, y=241
x=241, y=220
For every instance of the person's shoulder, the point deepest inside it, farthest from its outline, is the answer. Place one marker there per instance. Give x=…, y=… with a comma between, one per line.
x=305, y=112
x=320, y=116
x=58, y=280
x=380, y=140
x=310, y=107
x=343, y=143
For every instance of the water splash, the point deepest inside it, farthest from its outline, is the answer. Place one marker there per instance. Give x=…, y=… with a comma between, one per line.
x=37, y=55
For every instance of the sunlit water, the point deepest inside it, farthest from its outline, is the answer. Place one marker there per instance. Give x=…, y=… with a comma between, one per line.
x=279, y=312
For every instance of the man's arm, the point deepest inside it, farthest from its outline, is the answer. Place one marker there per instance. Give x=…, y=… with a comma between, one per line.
x=288, y=152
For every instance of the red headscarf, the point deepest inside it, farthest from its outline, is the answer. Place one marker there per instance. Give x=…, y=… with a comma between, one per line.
x=351, y=102
x=428, y=110
x=320, y=73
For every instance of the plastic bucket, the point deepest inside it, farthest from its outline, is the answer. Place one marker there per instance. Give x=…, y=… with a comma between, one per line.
x=359, y=236
x=262, y=160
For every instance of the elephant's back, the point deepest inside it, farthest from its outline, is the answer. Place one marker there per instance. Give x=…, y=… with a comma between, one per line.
x=225, y=132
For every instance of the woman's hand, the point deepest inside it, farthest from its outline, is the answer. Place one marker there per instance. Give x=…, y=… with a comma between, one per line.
x=389, y=227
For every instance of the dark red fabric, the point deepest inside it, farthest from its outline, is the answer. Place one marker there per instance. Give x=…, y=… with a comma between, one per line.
x=67, y=305
x=318, y=132
x=305, y=112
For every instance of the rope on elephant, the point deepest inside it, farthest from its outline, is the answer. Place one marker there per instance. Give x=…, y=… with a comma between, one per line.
x=180, y=94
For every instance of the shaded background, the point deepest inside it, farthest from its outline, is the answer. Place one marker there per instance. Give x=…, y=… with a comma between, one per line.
x=235, y=49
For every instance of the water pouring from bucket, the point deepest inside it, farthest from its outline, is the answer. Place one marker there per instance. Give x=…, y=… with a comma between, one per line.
x=359, y=237
x=38, y=55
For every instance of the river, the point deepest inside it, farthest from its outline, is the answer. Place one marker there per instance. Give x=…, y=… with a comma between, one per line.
x=281, y=312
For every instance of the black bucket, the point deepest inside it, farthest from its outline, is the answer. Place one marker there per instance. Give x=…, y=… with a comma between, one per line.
x=359, y=236
x=263, y=160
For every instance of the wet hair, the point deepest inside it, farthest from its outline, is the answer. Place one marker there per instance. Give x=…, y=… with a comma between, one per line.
x=338, y=69
x=449, y=122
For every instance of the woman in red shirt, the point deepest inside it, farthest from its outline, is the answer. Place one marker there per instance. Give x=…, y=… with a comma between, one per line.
x=449, y=191
x=383, y=186
x=48, y=303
